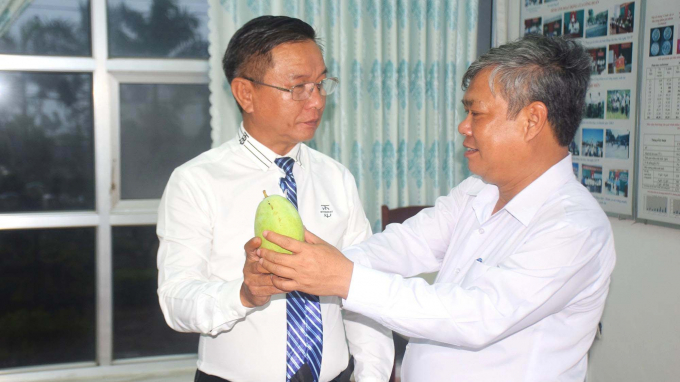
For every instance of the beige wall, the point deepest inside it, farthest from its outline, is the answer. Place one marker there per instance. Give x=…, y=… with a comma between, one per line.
x=641, y=321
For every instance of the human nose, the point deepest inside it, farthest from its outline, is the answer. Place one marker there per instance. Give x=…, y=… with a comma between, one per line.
x=316, y=100
x=464, y=127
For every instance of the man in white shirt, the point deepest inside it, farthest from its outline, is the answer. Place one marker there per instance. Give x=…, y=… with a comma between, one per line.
x=207, y=282
x=524, y=252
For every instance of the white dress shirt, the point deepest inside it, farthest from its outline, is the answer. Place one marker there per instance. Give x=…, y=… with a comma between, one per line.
x=519, y=293
x=207, y=214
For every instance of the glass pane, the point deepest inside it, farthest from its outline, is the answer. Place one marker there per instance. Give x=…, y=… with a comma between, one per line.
x=47, y=295
x=139, y=329
x=46, y=28
x=158, y=28
x=46, y=142
x=162, y=126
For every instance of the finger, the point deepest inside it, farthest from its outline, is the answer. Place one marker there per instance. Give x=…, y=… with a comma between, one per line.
x=252, y=245
x=284, y=284
x=266, y=291
x=277, y=269
x=261, y=281
x=259, y=268
x=255, y=268
x=312, y=238
x=277, y=257
x=283, y=241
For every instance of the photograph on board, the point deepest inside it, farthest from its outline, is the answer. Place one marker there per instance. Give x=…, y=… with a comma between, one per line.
x=592, y=142
x=617, y=183
x=553, y=26
x=573, y=24
x=599, y=63
x=591, y=177
x=532, y=26
x=575, y=168
x=596, y=23
x=617, y=144
x=621, y=18
x=618, y=104
x=661, y=41
x=528, y=3
x=575, y=145
x=594, y=108
x=620, y=58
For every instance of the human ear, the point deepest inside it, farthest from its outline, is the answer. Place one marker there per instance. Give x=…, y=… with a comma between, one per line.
x=537, y=119
x=242, y=90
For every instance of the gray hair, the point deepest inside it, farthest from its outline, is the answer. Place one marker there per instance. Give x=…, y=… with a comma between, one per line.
x=551, y=70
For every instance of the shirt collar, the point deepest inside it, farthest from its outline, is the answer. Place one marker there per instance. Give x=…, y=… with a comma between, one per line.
x=261, y=154
x=525, y=204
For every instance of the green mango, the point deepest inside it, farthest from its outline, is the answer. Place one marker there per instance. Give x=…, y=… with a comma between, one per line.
x=277, y=214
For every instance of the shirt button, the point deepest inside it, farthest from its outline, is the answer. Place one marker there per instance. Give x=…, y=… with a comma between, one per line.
x=457, y=270
x=481, y=231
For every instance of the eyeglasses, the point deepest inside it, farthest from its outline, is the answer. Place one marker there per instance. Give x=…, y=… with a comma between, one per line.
x=302, y=92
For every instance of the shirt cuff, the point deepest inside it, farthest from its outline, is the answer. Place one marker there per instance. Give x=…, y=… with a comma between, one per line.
x=229, y=304
x=368, y=291
x=357, y=256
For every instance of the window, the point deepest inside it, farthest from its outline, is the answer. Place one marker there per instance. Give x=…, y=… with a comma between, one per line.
x=161, y=127
x=99, y=102
x=46, y=142
x=47, y=296
x=139, y=329
x=47, y=27
x=151, y=28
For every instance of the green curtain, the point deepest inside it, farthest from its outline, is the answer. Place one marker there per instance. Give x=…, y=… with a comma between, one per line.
x=394, y=121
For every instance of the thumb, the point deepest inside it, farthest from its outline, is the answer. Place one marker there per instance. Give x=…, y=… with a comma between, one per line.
x=252, y=245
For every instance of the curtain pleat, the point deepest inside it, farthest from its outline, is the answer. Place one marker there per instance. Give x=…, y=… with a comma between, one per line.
x=393, y=122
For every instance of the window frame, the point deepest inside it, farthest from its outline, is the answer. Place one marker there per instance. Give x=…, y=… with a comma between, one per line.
x=195, y=74
x=109, y=211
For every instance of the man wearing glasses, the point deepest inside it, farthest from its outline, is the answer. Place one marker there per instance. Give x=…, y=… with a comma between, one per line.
x=252, y=331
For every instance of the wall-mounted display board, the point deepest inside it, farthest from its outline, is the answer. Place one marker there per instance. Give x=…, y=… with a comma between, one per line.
x=659, y=146
x=603, y=149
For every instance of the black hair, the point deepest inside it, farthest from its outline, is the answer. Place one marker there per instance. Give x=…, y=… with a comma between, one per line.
x=249, y=51
x=552, y=70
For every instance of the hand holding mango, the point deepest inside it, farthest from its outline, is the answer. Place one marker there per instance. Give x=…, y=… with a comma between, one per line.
x=277, y=214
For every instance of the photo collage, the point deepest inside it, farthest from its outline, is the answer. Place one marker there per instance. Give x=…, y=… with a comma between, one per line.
x=658, y=171
x=601, y=151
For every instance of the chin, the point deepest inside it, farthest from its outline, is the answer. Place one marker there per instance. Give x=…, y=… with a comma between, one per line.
x=473, y=170
x=481, y=173
x=307, y=134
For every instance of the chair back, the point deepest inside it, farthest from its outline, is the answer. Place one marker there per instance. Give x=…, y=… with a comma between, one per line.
x=398, y=215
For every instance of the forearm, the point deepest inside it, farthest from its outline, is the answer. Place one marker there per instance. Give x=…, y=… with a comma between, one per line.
x=396, y=250
x=371, y=345
x=489, y=304
x=416, y=246
x=202, y=306
x=189, y=299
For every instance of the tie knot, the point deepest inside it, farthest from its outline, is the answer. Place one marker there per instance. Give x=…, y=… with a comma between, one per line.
x=286, y=164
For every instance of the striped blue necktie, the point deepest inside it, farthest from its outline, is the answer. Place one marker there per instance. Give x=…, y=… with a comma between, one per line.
x=303, y=312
